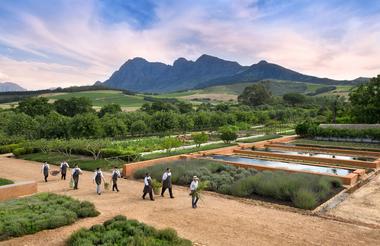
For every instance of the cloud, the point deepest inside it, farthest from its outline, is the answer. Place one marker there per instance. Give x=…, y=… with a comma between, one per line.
x=70, y=43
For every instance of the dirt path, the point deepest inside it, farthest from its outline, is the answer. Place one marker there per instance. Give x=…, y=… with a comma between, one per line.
x=217, y=221
x=363, y=205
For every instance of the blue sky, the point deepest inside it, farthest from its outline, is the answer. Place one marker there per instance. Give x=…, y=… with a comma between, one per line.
x=54, y=43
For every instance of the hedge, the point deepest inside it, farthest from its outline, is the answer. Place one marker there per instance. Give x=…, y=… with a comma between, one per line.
x=313, y=130
x=121, y=231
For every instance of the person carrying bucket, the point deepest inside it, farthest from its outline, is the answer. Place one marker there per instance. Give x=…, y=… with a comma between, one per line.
x=75, y=176
x=64, y=166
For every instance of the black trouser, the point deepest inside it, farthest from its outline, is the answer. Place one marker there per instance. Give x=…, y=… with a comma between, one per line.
x=146, y=191
x=76, y=181
x=63, y=176
x=194, y=199
x=46, y=176
x=170, y=191
x=114, y=185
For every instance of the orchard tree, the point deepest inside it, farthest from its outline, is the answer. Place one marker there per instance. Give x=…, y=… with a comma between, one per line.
x=199, y=138
x=138, y=128
x=34, y=106
x=255, y=95
x=73, y=106
x=170, y=142
x=294, y=98
x=114, y=126
x=53, y=125
x=228, y=133
x=185, y=123
x=164, y=121
x=365, y=100
x=110, y=109
x=21, y=124
x=85, y=126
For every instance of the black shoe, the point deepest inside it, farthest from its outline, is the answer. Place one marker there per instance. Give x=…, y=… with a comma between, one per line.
x=172, y=197
x=117, y=191
x=162, y=195
x=143, y=198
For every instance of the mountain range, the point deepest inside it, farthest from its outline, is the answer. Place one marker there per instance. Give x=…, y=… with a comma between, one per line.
x=140, y=75
x=10, y=86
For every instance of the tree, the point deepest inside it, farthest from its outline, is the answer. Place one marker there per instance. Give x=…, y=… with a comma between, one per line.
x=164, y=121
x=184, y=107
x=228, y=133
x=199, y=138
x=53, y=125
x=95, y=147
x=138, y=127
x=21, y=124
x=110, y=109
x=170, y=142
x=114, y=126
x=255, y=95
x=294, y=98
x=185, y=123
x=34, y=106
x=365, y=100
x=85, y=126
x=73, y=106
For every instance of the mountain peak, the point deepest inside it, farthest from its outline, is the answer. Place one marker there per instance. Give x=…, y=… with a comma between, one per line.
x=10, y=86
x=180, y=61
x=206, y=57
x=263, y=62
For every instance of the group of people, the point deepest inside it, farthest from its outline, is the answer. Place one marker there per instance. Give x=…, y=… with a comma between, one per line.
x=76, y=171
x=98, y=178
x=167, y=185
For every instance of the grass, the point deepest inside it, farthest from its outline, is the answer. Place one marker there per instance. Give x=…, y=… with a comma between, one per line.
x=304, y=191
x=39, y=212
x=121, y=231
x=5, y=181
x=101, y=98
x=360, y=146
x=84, y=162
x=263, y=138
x=185, y=151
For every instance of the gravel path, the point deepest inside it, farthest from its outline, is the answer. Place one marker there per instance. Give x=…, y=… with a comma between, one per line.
x=217, y=221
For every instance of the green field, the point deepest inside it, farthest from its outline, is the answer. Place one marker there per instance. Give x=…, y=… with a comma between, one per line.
x=101, y=98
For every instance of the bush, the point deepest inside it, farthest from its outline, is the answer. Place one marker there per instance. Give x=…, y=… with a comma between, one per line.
x=120, y=231
x=5, y=149
x=39, y=212
x=199, y=138
x=304, y=199
x=22, y=151
x=5, y=182
x=228, y=133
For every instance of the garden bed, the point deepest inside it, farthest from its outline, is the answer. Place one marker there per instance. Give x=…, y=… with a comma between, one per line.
x=120, y=231
x=336, y=144
x=305, y=191
x=5, y=182
x=258, y=139
x=39, y=212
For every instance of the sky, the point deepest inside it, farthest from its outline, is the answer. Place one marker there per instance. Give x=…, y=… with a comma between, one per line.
x=60, y=43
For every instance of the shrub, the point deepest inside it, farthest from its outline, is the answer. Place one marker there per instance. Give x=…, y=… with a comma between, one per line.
x=39, y=212
x=199, y=138
x=228, y=133
x=5, y=182
x=304, y=199
x=5, y=149
x=120, y=231
x=22, y=151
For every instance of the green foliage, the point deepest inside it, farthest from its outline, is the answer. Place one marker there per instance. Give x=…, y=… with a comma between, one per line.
x=199, y=138
x=120, y=231
x=228, y=133
x=138, y=128
x=39, y=212
x=294, y=98
x=85, y=125
x=22, y=151
x=365, y=100
x=110, y=109
x=5, y=181
x=73, y=106
x=156, y=186
x=171, y=142
x=301, y=190
x=255, y=95
x=34, y=106
x=9, y=148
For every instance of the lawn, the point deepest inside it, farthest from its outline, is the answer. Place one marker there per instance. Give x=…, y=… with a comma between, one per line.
x=84, y=162
x=304, y=191
x=360, y=146
x=101, y=98
x=5, y=182
x=121, y=231
x=40, y=212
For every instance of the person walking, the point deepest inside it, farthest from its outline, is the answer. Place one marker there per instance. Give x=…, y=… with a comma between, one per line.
x=98, y=177
x=45, y=170
x=64, y=166
x=114, y=176
x=194, y=192
x=167, y=183
x=148, y=188
x=75, y=176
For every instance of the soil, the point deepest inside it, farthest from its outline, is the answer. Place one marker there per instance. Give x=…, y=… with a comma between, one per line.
x=217, y=221
x=362, y=205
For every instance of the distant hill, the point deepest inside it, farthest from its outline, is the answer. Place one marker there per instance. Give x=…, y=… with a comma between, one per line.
x=9, y=86
x=140, y=75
